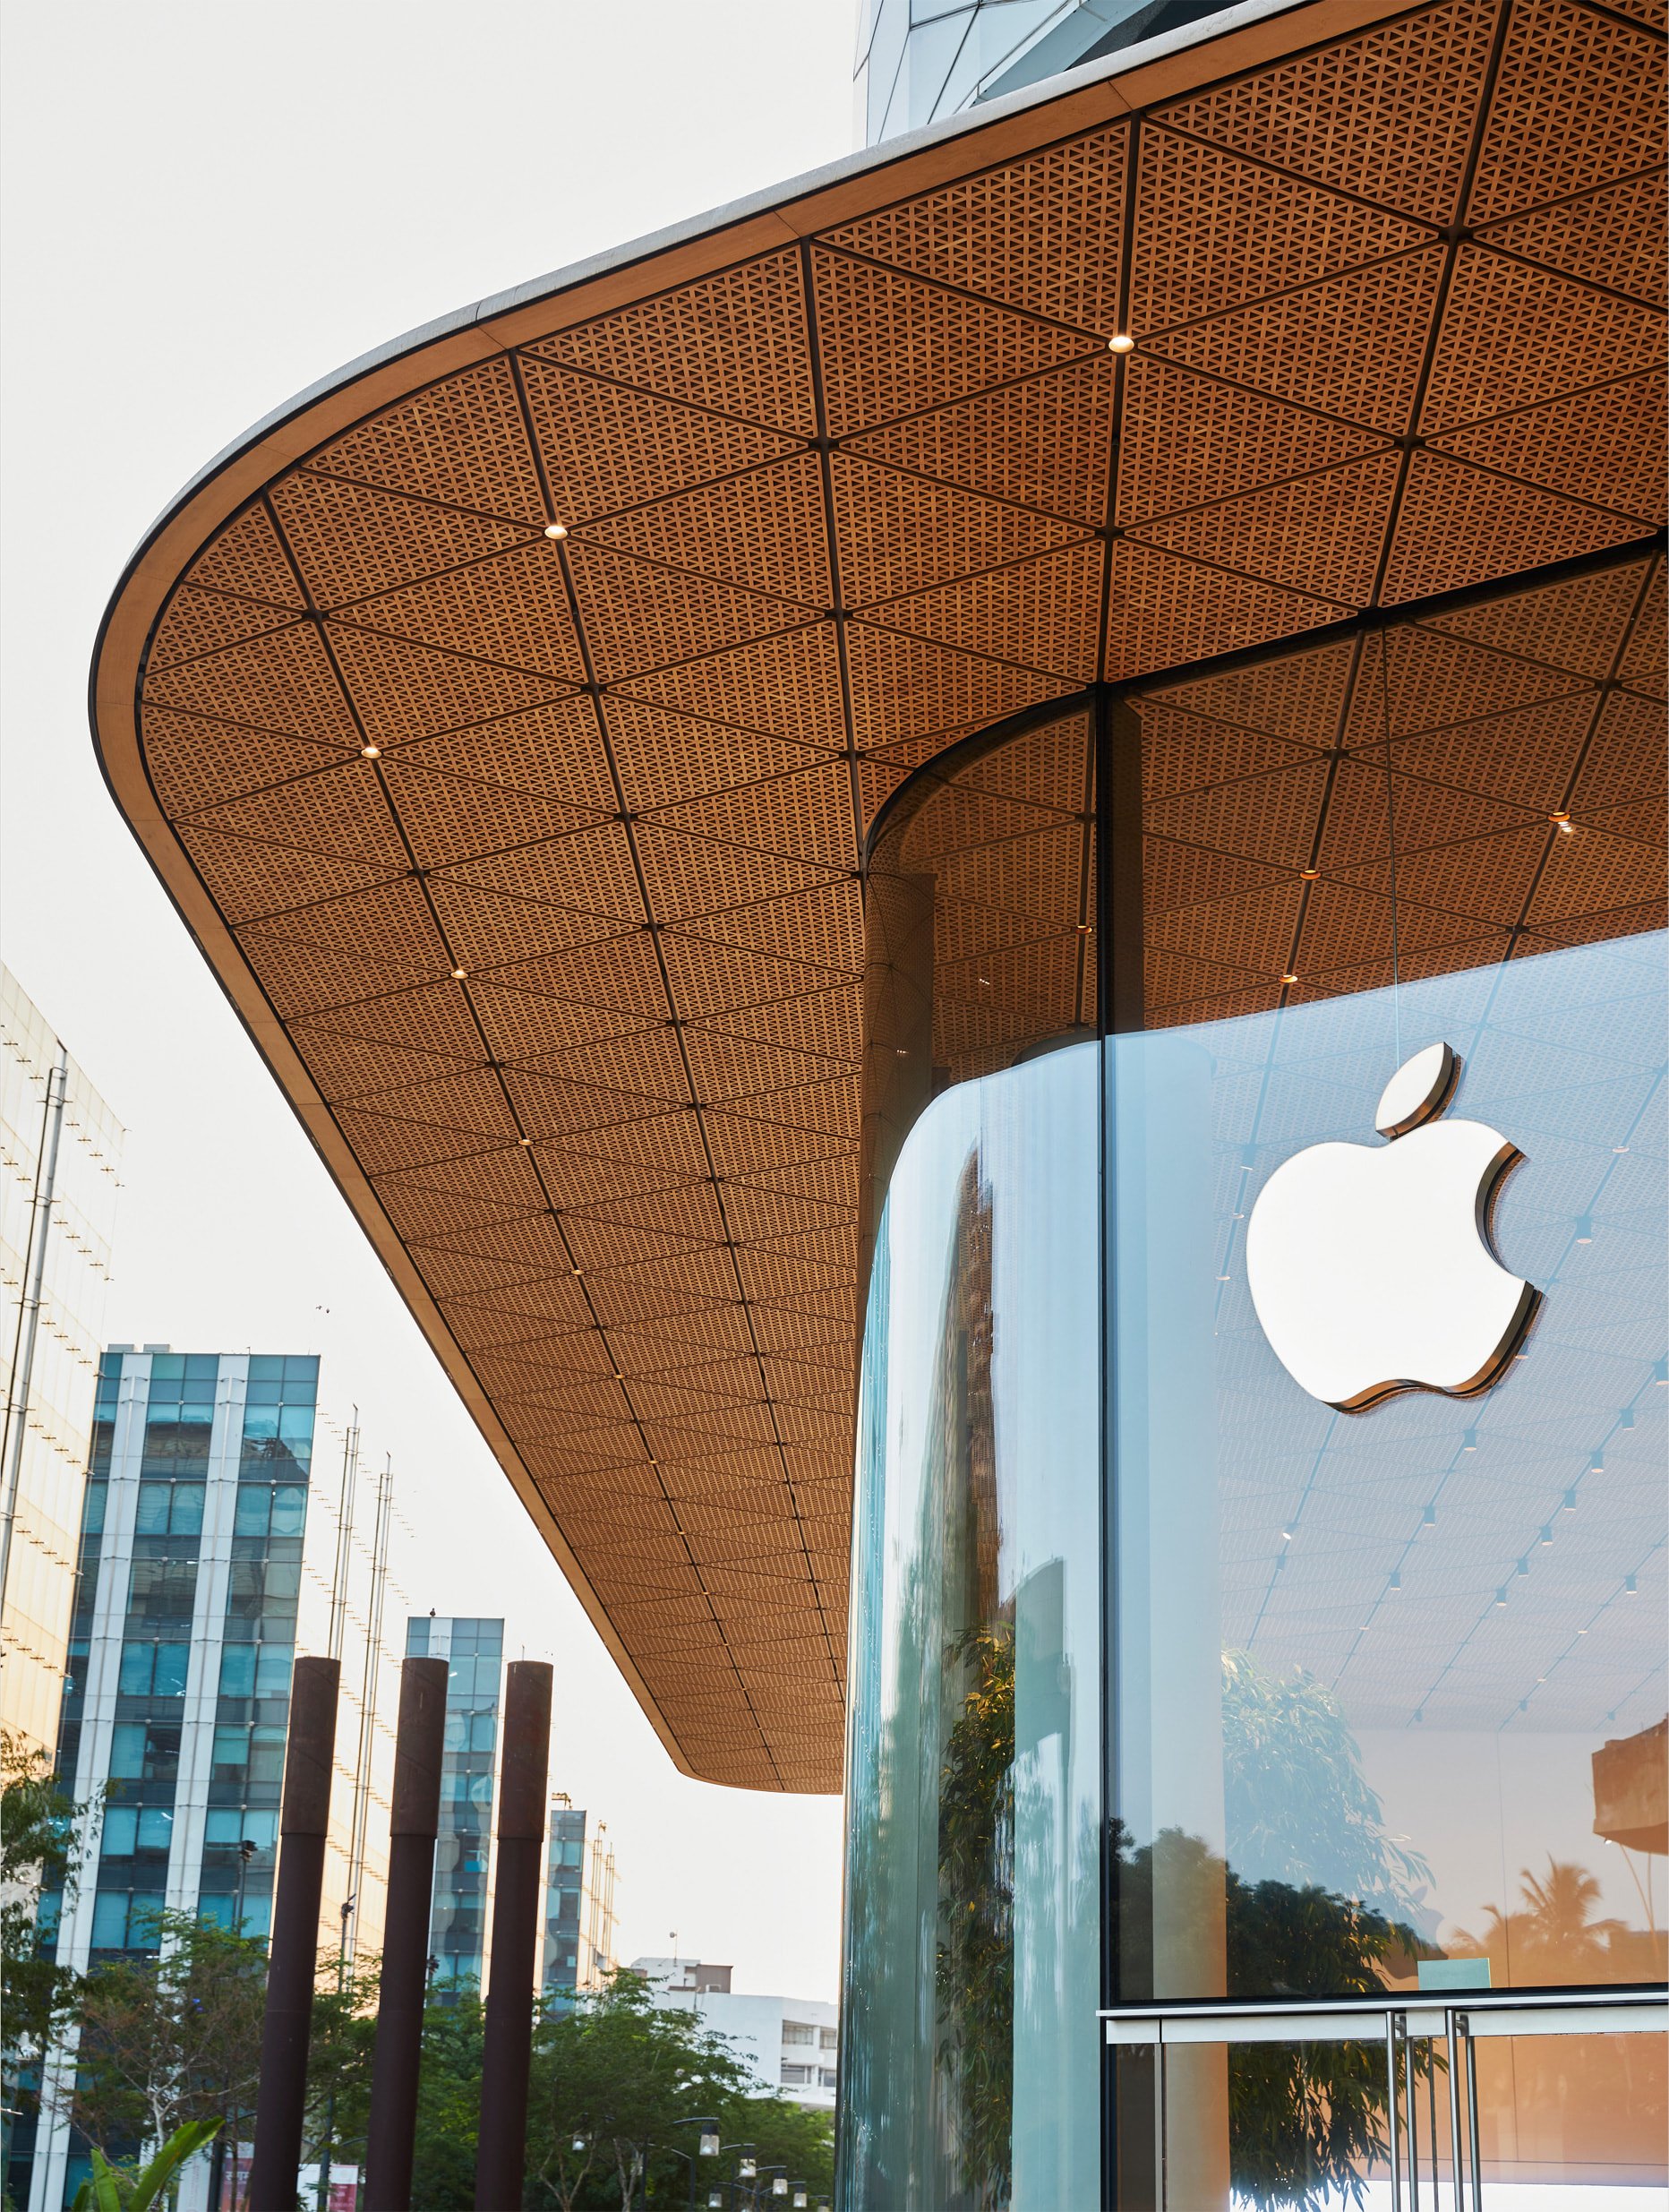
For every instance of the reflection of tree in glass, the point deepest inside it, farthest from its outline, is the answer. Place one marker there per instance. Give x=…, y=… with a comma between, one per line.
x=1297, y=1805
x=1305, y=2120
x=975, y=1966
x=1552, y=1937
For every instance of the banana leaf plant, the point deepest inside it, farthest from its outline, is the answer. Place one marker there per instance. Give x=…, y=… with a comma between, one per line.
x=111, y=2189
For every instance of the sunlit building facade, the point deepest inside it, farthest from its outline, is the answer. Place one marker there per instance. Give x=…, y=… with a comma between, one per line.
x=579, y=1943
x=60, y=1156
x=461, y=1910
x=1021, y=785
x=220, y=1533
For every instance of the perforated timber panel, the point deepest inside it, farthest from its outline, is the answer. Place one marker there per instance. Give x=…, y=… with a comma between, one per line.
x=545, y=847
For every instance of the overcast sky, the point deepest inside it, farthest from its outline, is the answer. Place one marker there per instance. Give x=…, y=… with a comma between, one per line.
x=206, y=207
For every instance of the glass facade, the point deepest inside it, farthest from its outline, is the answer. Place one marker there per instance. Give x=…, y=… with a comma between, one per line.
x=215, y=1539
x=474, y=1650
x=918, y=60
x=1173, y=1686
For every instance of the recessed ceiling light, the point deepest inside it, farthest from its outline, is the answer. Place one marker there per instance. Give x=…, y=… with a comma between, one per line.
x=523, y=1140
x=369, y=753
x=1121, y=344
x=1309, y=875
x=556, y=529
x=1288, y=979
x=1562, y=821
x=458, y=974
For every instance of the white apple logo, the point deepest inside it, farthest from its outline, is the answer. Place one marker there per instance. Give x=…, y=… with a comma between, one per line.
x=1370, y=1266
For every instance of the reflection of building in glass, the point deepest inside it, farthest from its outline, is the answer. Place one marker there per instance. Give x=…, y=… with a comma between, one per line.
x=579, y=1911
x=789, y=2046
x=474, y=1650
x=60, y=1148
x=1167, y=625
x=213, y=1544
x=918, y=64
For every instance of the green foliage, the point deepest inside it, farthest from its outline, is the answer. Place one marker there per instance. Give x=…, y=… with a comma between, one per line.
x=975, y=1964
x=141, y=2188
x=39, y=1851
x=340, y=2047
x=170, y=2038
x=448, y=2101
x=623, y=2081
x=1295, y=1798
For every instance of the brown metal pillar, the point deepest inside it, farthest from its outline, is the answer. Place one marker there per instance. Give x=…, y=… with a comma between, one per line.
x=508, y=2046
x=282, y=2097
x=414, y=1821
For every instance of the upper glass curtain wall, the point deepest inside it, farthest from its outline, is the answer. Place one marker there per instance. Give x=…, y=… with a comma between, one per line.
x=1383, y=1689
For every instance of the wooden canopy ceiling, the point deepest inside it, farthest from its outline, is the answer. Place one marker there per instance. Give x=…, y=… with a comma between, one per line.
x=530, y=861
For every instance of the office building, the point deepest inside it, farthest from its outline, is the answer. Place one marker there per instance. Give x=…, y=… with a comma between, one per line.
x=578, y=1952
x=791, y=2045
x=918, y=64
x=217, y=1537
x=60, y=1154
x=461, y=1912
x=1051, y=735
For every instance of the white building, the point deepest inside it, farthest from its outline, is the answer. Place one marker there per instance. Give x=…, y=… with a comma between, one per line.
x=791, y=2044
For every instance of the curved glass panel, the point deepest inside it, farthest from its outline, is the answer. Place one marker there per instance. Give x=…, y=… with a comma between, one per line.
x=1379, y=1585
x=971, y=2070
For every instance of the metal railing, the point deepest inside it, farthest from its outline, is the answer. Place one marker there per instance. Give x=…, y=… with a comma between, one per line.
x=1401, y=2020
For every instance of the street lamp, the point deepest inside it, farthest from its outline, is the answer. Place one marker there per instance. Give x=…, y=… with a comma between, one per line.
x=800, y=2199
x=707, y=2147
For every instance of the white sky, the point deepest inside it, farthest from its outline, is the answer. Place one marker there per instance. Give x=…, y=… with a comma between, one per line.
x=205, y=207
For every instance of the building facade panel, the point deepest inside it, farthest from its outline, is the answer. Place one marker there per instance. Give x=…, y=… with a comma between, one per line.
x=60, y=1156
x=210, y=1548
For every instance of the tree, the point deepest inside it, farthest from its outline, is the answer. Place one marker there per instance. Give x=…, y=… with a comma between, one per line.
x=40, y=1851
x=339, y=2053
x=615, y=2084
x=169, y=2036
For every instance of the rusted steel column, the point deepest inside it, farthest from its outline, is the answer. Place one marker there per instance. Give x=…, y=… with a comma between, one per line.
x=413, y=1822
x=281, y=2099
x=508, y=2046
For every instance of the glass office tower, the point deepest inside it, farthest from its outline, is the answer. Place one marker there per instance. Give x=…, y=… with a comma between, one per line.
x=217, y=1533
x=921, y=60
x=60, y=1152
x=579, y=1914
x=1304, y=1727
x=460, y=1914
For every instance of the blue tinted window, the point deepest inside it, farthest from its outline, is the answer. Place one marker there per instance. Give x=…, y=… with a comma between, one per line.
x=127, y=1750
x=254, y=1506
x=167, y=1367
x=185, y=1514
x=263, y=1367
x=134, y=1679
x=295, y=1424
x=173, y=1660
x=110, y=1920
x=156, y=1827
x=289, y=1511
x=231, y=1752
x=151, y=1518
x=202, y=1366
x=121, y=1823
x=93, y=1508
x=143, y=1915
x=237, y=1670
x=272, y=1670
x=223, y=1826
